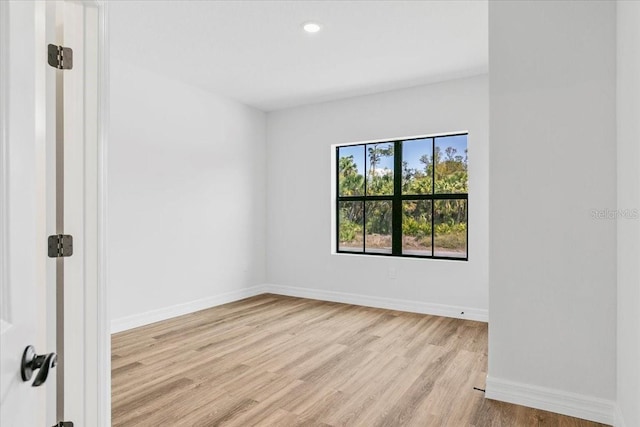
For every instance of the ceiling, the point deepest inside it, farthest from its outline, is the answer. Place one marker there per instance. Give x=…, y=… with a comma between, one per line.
x=256, y=51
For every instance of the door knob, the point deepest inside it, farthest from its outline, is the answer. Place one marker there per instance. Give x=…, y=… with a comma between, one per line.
x=32, y=362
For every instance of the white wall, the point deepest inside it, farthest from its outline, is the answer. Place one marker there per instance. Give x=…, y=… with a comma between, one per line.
x=628, y=109
x=553, y=159
x=300, y=201
x=186, y=194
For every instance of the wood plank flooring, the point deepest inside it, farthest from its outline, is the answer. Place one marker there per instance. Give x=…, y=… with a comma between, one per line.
x=281, y=361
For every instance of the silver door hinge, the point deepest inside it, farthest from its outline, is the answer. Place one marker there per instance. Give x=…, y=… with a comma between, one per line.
x=60, y=245
x=60, y=57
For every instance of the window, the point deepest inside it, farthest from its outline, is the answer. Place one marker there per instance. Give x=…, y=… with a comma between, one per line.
x=403, y=198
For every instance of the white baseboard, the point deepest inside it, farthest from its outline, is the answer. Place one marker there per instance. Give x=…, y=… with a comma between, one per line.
x=136, y=320
x=481, y=315
x=619, y=418
x=146, y=318
x=560, y=402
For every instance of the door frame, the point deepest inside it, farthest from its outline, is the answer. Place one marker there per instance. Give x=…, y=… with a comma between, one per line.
x=102, y=401
x=93, y=403
x=4, y=162
x=96, y=341
x=103, y=314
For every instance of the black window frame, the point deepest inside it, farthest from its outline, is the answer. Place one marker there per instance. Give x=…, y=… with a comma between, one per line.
x=396, y=201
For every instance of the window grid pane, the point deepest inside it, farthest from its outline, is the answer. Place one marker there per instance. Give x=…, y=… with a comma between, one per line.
x=451, y=165
x=351, y=170
x=378, y=234
x=416, y=227
x=350, y=226
x=417, y=166
x=379, y=169
x=450, y=228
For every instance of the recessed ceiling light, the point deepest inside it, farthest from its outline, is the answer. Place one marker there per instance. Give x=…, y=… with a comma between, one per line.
x=311, y=27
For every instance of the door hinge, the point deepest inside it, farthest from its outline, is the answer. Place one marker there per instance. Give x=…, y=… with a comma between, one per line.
x=60, y=57
x=64, y=424
x=60, y=245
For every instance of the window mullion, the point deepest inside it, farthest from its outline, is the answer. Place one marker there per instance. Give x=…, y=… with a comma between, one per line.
x=337, y=199
x=433, y=193
x=396, y=218
x=364, y=201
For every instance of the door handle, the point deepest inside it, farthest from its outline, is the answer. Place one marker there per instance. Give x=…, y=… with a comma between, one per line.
x=32, y=362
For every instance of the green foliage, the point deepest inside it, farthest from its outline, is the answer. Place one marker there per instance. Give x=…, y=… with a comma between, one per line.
x=445, y=228
x=349, y=231
x=380, y=185
x=379, y=217
x=415, y=228
x=419, y=183
x=451, y=174
x=416, y=219
x=351, y=183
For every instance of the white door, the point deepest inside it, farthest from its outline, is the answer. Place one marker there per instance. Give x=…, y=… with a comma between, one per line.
x=23, y=259
x=39, y=106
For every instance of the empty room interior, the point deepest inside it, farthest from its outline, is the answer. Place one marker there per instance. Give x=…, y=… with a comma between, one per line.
x=374, y=213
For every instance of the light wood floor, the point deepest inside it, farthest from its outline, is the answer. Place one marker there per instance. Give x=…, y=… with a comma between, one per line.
x=281, y=361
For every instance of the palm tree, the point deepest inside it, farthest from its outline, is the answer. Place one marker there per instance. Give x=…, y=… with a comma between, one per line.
x=375, y=154
x=348, y=166
x=350, y=180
